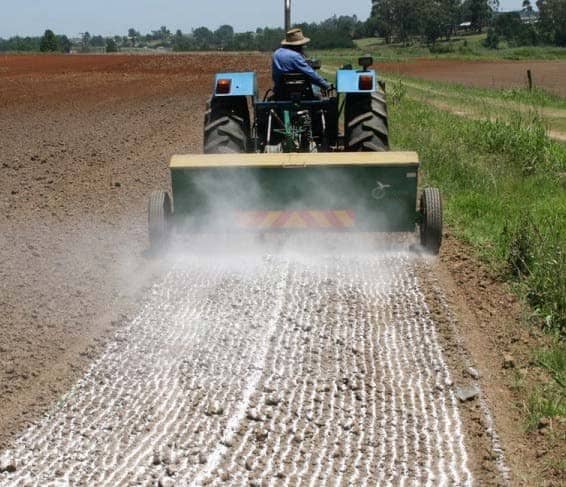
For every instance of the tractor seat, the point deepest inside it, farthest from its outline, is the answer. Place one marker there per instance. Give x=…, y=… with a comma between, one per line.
x=295, y=87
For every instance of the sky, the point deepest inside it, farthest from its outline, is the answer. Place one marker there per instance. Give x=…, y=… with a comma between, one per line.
x=115, y=17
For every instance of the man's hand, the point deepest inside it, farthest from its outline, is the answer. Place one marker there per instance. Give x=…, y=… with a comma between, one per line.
x=328, y=90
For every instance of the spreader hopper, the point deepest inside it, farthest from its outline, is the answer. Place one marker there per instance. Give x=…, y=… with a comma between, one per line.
x=295, y=192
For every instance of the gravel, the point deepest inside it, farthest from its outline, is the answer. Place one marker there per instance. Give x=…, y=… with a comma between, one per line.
x=7, y=463
x=467, y=393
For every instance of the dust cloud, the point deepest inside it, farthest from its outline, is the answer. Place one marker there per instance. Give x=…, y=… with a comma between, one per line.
x=205, y=219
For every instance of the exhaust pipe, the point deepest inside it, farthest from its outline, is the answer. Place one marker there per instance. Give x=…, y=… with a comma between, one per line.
x=287, y=15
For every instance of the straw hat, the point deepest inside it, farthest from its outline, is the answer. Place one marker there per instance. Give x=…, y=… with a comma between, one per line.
x=295, y=37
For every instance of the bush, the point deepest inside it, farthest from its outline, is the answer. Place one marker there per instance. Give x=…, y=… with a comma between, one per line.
x=537, y=259
x=524, y=140
x=492, y=39
x=111, y=45
x=49, y=42
x=441, y=48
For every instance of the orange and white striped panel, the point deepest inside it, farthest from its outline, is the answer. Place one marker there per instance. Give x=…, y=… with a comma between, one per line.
x=296, y=219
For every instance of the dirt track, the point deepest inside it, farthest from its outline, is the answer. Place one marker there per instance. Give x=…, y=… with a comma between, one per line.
x=272, y=370
x=549, y=75
x=330, y=369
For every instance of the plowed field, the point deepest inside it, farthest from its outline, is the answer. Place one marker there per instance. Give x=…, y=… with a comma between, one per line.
x=269, y=364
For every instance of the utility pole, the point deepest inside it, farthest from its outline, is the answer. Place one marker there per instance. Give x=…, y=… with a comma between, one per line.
x=287, y=15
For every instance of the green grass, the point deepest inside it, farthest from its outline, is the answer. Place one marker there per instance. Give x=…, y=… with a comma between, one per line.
x=503, y=194
x=536, y=98
x=543, y=403
x=554, y=360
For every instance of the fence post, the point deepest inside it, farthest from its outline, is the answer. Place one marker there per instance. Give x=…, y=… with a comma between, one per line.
x=530, y=79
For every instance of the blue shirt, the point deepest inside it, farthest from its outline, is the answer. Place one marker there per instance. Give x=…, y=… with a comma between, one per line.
x=289, y=61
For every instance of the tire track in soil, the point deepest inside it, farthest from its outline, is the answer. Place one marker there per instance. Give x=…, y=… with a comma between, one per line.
x=263, y=371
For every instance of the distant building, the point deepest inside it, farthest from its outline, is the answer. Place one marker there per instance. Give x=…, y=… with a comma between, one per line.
x=527, y=17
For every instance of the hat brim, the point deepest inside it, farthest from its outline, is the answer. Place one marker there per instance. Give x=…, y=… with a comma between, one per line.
x=302, y=42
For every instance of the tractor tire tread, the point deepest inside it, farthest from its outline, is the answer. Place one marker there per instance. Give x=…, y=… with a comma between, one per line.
x=224, y=135
x=367, y=127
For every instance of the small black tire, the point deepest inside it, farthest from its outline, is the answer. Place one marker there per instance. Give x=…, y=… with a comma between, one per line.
x=431, y=220
x=225, y=135
x=159, y=220
x=366, y=123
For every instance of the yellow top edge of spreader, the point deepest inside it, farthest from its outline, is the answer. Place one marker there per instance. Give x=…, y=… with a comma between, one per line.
x=294, y=159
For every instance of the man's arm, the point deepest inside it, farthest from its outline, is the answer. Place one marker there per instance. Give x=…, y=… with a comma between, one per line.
x=301, y=65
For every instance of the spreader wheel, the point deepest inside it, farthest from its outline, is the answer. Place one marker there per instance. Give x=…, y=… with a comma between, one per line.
x=159, y=220
x=431, y=220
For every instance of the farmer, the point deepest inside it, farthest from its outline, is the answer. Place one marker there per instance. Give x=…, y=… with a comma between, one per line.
x=289, y=58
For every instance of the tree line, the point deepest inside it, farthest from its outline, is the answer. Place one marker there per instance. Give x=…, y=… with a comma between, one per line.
x=48, y=43
x=335, y=32
x=331, y=33
x=403, y=21
x=429, y=20
x=547, y=26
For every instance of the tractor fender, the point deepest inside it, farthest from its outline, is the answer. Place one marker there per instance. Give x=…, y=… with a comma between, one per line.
x=348, y=81
x=241, y=84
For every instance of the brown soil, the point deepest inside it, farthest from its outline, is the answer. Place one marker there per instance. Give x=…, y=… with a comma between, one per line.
x=83, y=141
x=487, y=324
x=549, y=75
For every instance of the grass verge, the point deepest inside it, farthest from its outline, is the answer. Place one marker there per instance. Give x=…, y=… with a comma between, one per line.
x=537, y=98
x=501, y=104
x=504, y=191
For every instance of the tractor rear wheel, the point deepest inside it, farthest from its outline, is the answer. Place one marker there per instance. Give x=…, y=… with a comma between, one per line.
x=226, y=126
x=159, y=220
x=431, y=220
x=225, y=135
x=366, y=122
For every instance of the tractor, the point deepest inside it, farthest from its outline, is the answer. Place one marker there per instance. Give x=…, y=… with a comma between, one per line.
x=301, y=118
x=301, y=159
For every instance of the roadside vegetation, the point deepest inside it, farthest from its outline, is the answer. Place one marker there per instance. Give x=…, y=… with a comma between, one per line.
x=491, y=104
x=511, y=97
x=504, y=185
x=503, y=182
